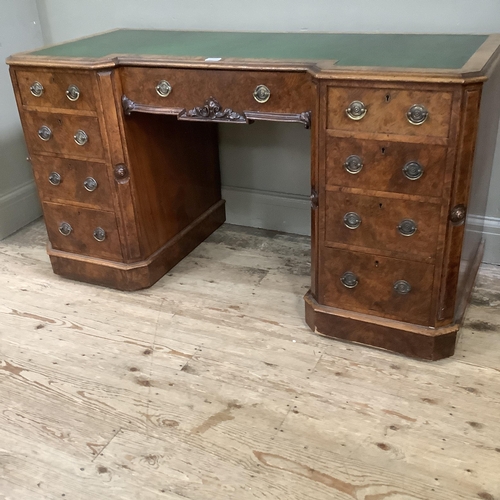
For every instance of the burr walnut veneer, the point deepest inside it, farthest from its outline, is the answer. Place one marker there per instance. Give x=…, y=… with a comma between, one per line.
x=122, y=133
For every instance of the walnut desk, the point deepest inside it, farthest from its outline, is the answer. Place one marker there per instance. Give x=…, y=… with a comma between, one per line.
x=121, y=129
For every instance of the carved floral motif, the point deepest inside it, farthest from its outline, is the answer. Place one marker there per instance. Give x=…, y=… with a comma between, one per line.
x=212, y=110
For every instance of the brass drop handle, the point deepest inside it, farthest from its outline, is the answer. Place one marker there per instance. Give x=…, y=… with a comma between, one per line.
x=90, y=184
x=349, y=280
x=99, y=234
x=163, y=88
x=407, y=227
x=81, y=137
x=261, y=94
x=352, y=220
x=65, y=229
x=353, y=164
x=402, y=287
x=356, y=110
x=73, y=93
x=37, y=89
x=54, y=178
x=44, y=133
x=417, y=114
x=413, y=170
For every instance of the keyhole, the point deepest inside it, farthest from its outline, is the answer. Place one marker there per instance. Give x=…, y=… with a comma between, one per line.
x=387, y=98
x=376, y=263
x=59, y=121
x=380, y=205
x=383, y=151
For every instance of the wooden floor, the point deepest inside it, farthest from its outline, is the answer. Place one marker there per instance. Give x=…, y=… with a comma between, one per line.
x=209, y=385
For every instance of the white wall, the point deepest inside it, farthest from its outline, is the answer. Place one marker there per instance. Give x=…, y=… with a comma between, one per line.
x=264, y=183
x=19, y=30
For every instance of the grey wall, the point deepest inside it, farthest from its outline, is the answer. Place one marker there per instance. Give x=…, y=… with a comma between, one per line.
x=265, y=167
x=19, y=30
x=63, y=20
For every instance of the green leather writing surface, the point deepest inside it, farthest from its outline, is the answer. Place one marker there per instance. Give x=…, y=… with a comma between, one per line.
x=382, y=50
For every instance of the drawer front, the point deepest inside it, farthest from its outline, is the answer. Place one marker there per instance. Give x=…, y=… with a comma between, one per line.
x=386, y=166
x=60, y=179
x=378, y=285
x=79, y=226
x=377, y=220
x=59, y=130
x=291, y=92
x=386, y=111
x=56, y=89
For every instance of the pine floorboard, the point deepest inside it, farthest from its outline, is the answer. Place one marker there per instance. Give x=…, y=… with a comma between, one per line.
x=210, y=385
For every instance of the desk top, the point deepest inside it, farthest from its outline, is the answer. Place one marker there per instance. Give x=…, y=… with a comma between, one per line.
x=400, y=52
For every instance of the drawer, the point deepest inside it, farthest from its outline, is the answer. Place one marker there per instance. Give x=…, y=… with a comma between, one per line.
x=291, y=92
x=80, y=225
x=377, y=285
x=386, y=166
x=60, y=130
x=386, y=111
x=60, y=179
x=378, y=218
x=56, y=89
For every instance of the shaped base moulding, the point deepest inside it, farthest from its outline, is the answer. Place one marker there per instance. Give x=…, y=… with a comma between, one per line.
x=142, y=274
x=404, y=338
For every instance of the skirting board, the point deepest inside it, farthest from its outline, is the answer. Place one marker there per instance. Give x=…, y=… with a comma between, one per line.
x=268, y=210
x=292, y=214
x=244, y=207
x=491, y=235
x=18, y=208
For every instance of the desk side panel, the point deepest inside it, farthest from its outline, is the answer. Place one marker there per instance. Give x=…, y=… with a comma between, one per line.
x=176, y=175
x=473, y=244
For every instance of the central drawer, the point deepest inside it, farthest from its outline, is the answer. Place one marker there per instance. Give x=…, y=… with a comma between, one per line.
x=290, y=92
x=405, y=226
